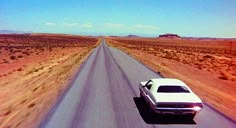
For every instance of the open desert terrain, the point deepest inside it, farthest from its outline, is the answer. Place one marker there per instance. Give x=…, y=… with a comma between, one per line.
x=208, y=66
x=35, y=70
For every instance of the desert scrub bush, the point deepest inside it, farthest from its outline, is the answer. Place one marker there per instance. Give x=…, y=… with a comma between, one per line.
x=20, y=56
x=207, y=57
x=13, y=57
x=20, y=69
x=223, y=76
x=11, y=50
x=50, y=49
x=26, y=53
x=18, y=50
x=5, y=61
x=35, y=70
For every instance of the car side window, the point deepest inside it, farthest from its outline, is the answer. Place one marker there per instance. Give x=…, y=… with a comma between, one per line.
x=149, y=84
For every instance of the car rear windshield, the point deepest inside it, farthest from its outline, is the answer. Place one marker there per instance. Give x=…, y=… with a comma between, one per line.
x=173, y=89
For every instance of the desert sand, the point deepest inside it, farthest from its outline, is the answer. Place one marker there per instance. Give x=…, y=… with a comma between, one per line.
x=35, y=70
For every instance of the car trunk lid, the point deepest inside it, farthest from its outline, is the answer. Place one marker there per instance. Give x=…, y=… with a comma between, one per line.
x=176, y=98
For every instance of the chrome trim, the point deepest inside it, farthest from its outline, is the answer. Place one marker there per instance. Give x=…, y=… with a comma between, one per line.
x=151, y=100
x=175, y=109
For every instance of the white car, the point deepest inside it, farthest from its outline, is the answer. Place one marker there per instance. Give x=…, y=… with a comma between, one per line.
x=170, y=96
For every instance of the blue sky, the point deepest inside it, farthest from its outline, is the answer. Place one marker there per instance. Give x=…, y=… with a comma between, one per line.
x=198, y=18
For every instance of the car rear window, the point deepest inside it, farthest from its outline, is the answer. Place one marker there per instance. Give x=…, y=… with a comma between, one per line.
x=173, y=89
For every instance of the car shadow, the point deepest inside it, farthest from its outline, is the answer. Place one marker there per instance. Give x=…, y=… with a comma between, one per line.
x=151, y=118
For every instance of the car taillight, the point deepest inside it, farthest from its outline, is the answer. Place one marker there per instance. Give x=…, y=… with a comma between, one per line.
x=197, y=108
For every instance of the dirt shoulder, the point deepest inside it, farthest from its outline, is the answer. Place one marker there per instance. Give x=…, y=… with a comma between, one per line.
x=212, y=78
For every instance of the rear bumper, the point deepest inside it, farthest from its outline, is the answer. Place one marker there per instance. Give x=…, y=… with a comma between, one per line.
x=175, y=111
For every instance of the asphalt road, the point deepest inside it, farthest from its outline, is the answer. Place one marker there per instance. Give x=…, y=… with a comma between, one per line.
x=104, y=94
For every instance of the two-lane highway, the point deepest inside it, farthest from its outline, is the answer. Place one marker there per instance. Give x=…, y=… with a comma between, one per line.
x=104, y=94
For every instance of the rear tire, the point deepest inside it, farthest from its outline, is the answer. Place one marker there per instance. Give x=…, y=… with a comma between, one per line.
x=190, y=116
x=141, y=97
x=151, y=112
x=158, y=115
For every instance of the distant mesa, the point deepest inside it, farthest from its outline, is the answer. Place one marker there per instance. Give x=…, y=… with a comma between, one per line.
x=132, y=36
x=168, y=35
x=13, y=32
x=129, y=36
x=114, y=36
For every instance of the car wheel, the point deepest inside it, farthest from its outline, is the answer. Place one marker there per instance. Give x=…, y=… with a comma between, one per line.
x=190, y=116
x=141, y=97
x=158, y=115
x=150, y=112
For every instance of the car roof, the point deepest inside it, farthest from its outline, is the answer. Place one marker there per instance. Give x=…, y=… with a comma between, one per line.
x=168, y=82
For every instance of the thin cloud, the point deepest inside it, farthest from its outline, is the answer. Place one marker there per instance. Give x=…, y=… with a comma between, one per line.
x=114, y=25
x=87, y=25
x=50, y=24
x=71, y=24
x=76, y=24
x=143, y=26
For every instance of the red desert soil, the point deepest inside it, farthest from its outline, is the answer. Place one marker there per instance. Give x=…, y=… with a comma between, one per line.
x=207, y=66
x=35, y=70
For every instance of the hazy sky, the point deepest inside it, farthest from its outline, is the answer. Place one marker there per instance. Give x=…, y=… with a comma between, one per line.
x=204, y=18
